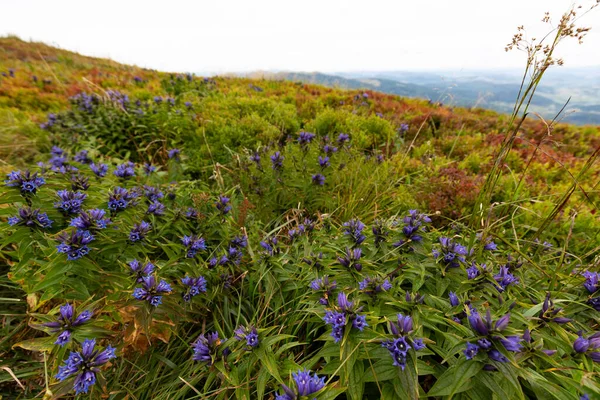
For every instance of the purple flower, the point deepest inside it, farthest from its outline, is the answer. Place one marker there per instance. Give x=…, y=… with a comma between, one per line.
x=318, y=179
x=512, y=343
x=139, y=231
x=306, y=383
x=277, y=161
x=82, y=157
x=451, y=253
x=360, y=322
x=195, y=287
x=270, y=246
x=354, y=228
x=482, y=328
x=581, y=344
x=149, y=168
x=75, y=245
x=139, y=271
x=473, y=271
x=471, y=351
x=151, y=291
x=85, y=364
x=65, y=323
x=249, y=334
x=25, y=181
x=31, y=218
x=497, y=356
x=304, y=138
x=125, y=171
x=90, y=220
x=343, y=138
x=453, y=299
x=174, y=154
x=205, y=347
x=119, y=199
x=193, y=245
x=505, y=278
x=156, y=208
x=324, y=162
x=374, y=285
x=329, y=150
x=223, y=205
x=592, y=281
x=255, y=158
x=99, y=169
x=70, y=202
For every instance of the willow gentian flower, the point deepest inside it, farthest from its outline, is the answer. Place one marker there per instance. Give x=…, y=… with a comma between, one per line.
x=75, y=244
x=99, y=169
x=65, y=323
x=277, y=161
x=174, y=154
x=223, y=205
x=85, y=365
x=318, y=179
x=70, y=202
x=374, y=285
x=354, y=228
x=141, y=271
x=351, y=259
x=125, y=171
x=25, y=181
x=195, y=286
x=194, y=244
x=119, y=199
x=151, y=291
x=451, y=253
x=31, y=218
x=206, y=347
x=139, y=231
x=249, y=334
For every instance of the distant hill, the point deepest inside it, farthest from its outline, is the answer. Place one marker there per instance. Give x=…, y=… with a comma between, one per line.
x=493, y=90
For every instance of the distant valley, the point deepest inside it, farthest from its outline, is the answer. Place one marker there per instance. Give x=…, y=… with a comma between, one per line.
x=496, y=90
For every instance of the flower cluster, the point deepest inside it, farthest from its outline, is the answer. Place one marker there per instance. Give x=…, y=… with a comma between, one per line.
x=206, y=347
x=351, y=259
x=25, y=181
x=588, y=346
x=270, y=245
x=194, y=244
x=400, y=346
x=85, y=365
x=75, y=244
x=413, y=226
x=223, y=205
x=31, y=218
x=504, y=279
x=249, y=334
x=65, y=323
x=125, y=171
x=304, y=139
x=325, y=287
x=486, y=328
x=70, y=202
x=374, y=285
x=151, y=291
x=354, y=228
x=451, y=253
x=119, y=199
x=306, y=384
x=100, y=170
x=90, y=220
x=195, y=286
x=345, y=314
x=139, y=231
x=277, y=161
x=140, y=271
x=592, y=281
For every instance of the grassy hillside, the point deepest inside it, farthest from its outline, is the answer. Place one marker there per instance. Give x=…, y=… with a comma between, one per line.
x=219, y=236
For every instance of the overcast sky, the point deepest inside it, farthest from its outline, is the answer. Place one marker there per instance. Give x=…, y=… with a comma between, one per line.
x=310, y=35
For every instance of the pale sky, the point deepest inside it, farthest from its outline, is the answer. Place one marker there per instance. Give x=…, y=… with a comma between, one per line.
x=310, y=35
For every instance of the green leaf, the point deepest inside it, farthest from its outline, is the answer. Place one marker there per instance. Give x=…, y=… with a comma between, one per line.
x=456, y=379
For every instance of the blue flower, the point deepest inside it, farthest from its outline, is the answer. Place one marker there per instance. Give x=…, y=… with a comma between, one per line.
x=65, y=323
x=512, y=343
x=139, y=231
x=85, y=364
x=149, y=169
x=277, y=161
x=156, y=208
x=194, y=244
x=360, y=322
x=592, y=281
x=306, y=383
x=70, y=202
x=249, y=334
x=414, y=226
x=329, y=150
x=343, y=138
x=99, y=169
x=82, y=157
x=351, y=259
x=125, y=171
x=206, y=346
x=31, y=218
x=119, y=199
x=354, y=228
x=195, y=286
x=471, y=351
x=453, y=299
x=497, y=356
x=25, y=181
x=223, y=205
x=151, y=291
x=324, y=162
x=451, y=253
x=374, y=285
x=318, y=179
x=505, y=278
x=139, y=271
x=304, y=138
x=174, y=154
x=75, y=245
